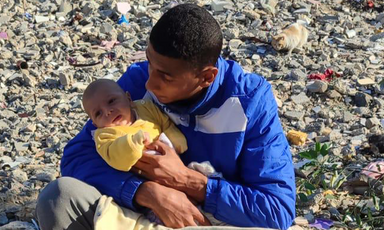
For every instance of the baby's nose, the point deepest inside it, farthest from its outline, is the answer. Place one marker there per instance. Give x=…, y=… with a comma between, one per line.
x=110, y=111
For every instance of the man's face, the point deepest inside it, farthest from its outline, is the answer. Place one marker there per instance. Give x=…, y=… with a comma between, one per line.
x=171, y=79
x=108, y=107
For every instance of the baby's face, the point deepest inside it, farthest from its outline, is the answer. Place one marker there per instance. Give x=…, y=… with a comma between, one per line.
x=108, y=107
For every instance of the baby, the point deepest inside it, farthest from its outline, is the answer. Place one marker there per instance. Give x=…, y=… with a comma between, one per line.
x=125, y=126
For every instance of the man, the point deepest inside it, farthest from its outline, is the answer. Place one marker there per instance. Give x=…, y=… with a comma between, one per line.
x=228, y=117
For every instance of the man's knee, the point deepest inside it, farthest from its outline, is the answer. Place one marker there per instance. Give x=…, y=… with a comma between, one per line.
x=64, y=198
x=55, y=191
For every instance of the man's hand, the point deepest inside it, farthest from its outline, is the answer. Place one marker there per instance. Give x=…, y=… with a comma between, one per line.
x=167, y=169
x=171, y=206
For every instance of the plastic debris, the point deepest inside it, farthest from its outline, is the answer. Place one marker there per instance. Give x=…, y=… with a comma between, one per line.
x=3, y=35
x=28, y=15
x=122, y=20
x=123, y=7
x=374, y=170
x=296, y=137
x=329, y=75
x=322, y=224
x=108, y=45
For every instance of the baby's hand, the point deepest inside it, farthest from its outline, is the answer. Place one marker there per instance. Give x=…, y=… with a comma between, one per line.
x=147, y=139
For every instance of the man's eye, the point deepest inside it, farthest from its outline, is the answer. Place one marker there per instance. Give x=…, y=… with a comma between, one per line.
x=167, y=79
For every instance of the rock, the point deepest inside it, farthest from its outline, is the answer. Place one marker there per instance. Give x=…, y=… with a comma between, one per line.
x=18, y=225
x=347, y=117
x=333, y=94
x=294, y=115
x=220, y=5
x=40, y=19
x=300, y=99
x=350, y=33
x=106, y=28
x=302, y=221
x=66, y=78
x=3, y=218
x=376, y=37
x=65, y=7
x=298, y=75
x=366, y=81
x=318, y=87
x=21, y=146
x=371, y=122
x=362, y=99
x=234, y=44
x=19, y=175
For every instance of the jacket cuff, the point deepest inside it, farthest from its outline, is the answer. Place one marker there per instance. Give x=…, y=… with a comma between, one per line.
x=211, y=196
x=128, y=193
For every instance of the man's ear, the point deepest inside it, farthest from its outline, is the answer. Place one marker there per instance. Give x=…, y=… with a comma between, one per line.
x=208, y=75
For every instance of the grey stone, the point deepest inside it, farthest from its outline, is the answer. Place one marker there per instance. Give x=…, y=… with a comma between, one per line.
x=298, y=75
x=65, y=6
x=106, y=28
x=300, y=98
x=3, y=218
x=66, y=78
x=376, y=37
x=294, y=115
x=318, y=87
x=19, y=175
x=371, y=122
x=362, y=110
x=362, y=99
x=21, y=146
x=347, y=117
x=18, y=225
x=333, y=94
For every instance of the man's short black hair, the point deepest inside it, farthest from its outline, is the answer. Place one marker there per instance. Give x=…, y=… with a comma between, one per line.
x=190, y=33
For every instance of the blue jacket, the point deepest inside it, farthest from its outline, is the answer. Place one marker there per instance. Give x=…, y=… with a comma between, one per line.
x=235, y=126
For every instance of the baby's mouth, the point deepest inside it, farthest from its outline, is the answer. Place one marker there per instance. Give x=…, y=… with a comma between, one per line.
x=118, y=118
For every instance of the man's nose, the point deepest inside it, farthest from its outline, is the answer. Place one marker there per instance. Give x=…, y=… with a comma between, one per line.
x=151, y=84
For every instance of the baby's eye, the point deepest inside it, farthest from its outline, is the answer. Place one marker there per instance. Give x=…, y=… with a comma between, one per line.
x=111, y=100
x=98, y=113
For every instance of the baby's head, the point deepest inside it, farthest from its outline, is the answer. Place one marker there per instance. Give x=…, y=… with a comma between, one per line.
x=107, y=104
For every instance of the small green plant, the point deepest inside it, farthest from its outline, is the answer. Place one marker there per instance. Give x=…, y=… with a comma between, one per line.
x=324, y=173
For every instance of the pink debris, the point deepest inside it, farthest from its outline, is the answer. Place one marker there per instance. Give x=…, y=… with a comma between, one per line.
x=327, y=76
x=374, y=170
x=3, y=35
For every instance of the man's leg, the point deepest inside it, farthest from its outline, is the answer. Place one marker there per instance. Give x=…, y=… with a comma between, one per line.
x=67, y=203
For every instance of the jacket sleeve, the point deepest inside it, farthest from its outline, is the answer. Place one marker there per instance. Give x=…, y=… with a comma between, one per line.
x=265, y=195
x=121, y=151
x=81, y=160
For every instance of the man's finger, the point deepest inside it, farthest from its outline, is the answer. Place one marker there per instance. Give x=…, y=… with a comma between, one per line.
x=199, y=217
x=148, y=158
x=158, y=146
x=142, y=164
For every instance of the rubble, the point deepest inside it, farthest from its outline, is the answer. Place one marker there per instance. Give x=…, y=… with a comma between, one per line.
x=51, y=50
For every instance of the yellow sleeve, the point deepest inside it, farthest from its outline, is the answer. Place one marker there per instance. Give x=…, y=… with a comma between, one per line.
x=120, y=150
x=153, y=113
